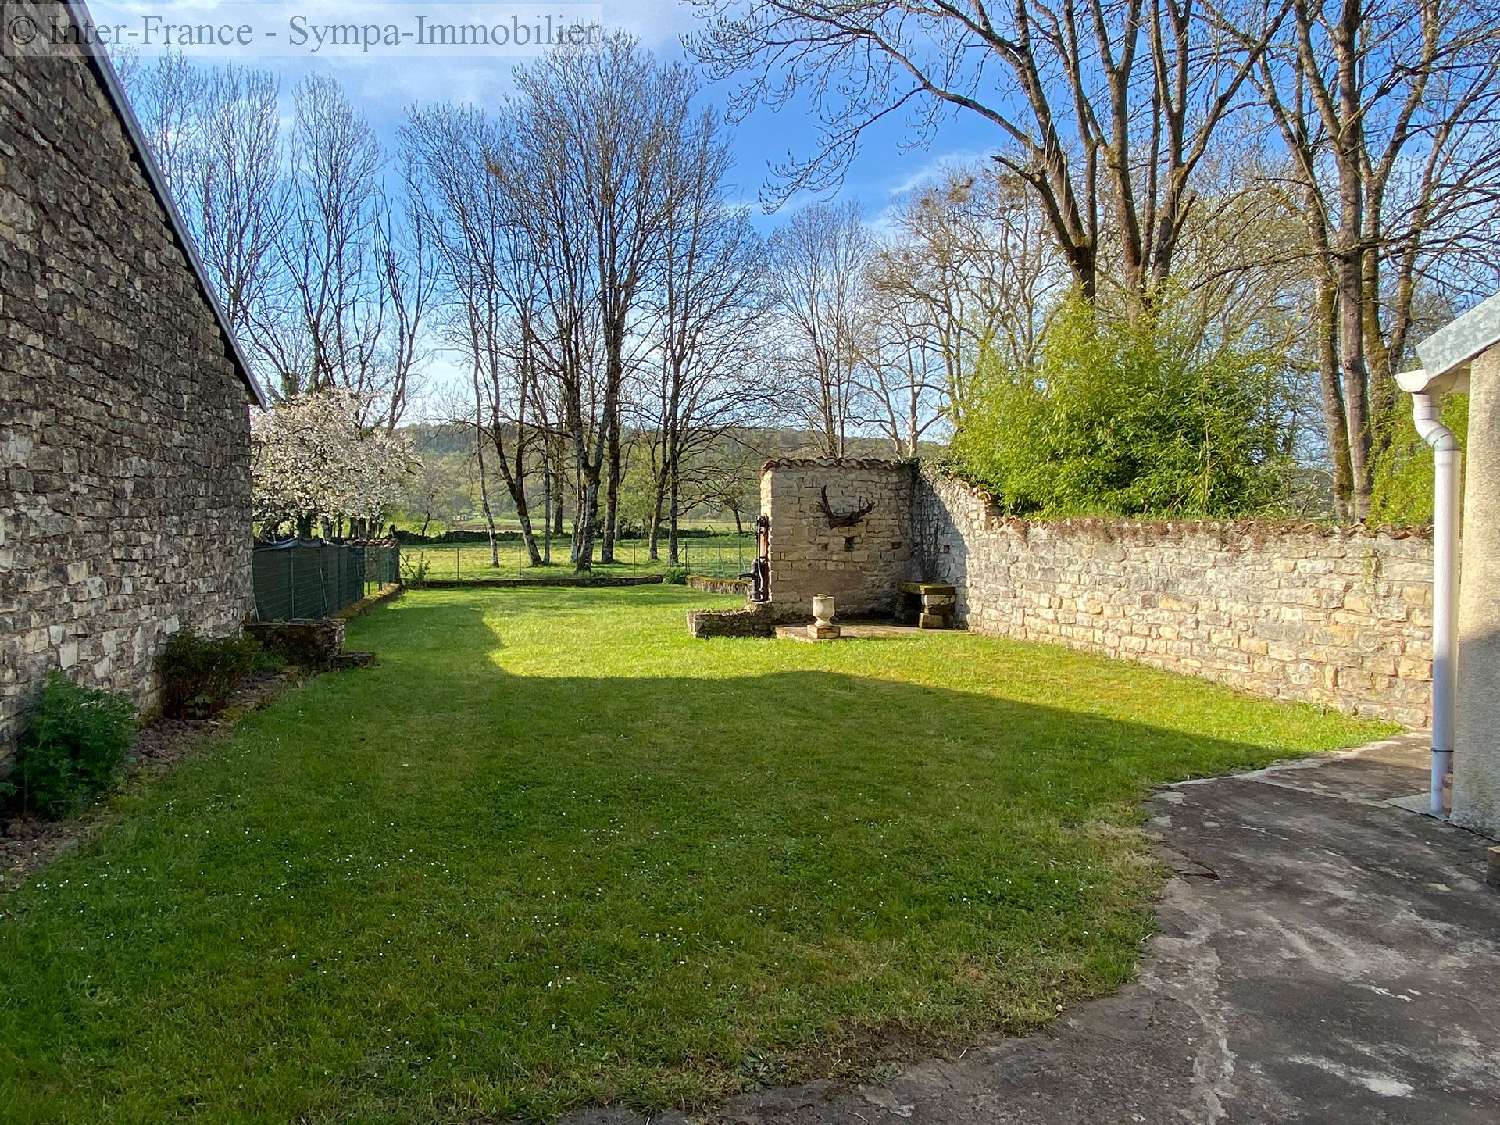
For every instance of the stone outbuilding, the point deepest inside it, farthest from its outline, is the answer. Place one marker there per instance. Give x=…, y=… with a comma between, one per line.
x=839, y=527
x=124, y=420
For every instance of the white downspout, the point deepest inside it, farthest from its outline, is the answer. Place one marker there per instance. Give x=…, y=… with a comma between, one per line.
x=1445, y=463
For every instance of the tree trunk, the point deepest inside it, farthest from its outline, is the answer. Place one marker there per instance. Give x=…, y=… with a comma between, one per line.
x=1348, y=145
x=611, y=492
x=583, y=532
x=558, y=493
x=1352, y=378
x=489, y=515
x=673, y=500
x=523, y=516
x=546, y=510
x=1378, y=357
x=653, y=533
x=1335, y=425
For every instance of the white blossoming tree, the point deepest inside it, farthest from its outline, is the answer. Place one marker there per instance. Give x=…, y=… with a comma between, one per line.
x=312, y=462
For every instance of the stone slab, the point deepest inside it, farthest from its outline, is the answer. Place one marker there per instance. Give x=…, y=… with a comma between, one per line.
x=938, y=588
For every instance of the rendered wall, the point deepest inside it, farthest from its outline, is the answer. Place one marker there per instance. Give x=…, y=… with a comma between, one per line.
x=1476, y=749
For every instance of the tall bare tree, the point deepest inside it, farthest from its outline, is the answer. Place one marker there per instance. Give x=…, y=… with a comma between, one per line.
x=1103, y=109
x=1387, y=115
x=216, y=134
x=708, y=305
x=902, y=376
x=488, y=286
x=818, y=264
x=969, y=265
x=587, y=158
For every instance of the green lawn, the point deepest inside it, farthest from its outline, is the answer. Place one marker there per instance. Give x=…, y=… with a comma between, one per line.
x=722, y=556
x=553, y=850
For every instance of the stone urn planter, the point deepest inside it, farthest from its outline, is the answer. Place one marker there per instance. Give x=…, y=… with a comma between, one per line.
x=823, y=608
x=823, y=628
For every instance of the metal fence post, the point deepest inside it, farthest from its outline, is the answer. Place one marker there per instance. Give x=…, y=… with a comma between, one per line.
x=291, y=583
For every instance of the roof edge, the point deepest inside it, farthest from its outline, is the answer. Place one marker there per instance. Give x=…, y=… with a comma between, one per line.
x=1462, y=340
x=99, y=61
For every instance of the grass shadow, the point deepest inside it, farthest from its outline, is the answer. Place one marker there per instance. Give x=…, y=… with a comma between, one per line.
x=551, y=850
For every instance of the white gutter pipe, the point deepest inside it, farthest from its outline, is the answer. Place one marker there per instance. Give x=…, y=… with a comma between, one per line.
x=1445, y=463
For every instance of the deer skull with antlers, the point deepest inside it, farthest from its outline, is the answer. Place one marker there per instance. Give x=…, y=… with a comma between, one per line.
x=845, y=519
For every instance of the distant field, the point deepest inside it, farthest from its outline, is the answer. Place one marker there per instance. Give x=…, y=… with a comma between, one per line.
x=437, y=527
x=721, y=556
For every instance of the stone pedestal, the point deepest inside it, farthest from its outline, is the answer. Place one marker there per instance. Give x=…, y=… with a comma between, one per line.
x=822, y=632
x=931, y=604
x=1476, y=749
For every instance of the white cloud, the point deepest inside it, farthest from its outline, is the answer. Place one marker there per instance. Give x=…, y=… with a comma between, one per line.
x=657, y=23
x=933, y=169
x=392, y=77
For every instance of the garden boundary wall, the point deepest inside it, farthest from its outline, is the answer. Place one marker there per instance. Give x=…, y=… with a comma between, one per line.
x=1334, y=616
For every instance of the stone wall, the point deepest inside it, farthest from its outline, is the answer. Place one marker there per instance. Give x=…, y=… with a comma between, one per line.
x=1334, y=616
x=124, y=432
x=860, y=565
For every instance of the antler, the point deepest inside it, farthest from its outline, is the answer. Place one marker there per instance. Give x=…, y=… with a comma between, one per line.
x=845, y=519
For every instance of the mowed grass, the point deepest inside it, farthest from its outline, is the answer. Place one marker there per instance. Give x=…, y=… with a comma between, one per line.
x=724, y=556
x=551, y=850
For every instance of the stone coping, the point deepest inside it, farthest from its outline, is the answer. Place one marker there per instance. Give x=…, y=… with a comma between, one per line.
x=1121, y=525
x=836, y=463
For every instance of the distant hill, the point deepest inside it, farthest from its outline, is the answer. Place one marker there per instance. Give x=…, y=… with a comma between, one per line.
x=447, y=440
x=448, y=451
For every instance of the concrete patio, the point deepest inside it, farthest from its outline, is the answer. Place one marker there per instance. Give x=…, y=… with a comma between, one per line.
x=1322, y=956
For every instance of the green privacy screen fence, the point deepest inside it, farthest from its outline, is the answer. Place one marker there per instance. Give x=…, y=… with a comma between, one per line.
x=311, y=578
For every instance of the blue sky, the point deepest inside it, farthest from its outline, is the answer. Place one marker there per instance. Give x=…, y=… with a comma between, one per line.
x=383, y=84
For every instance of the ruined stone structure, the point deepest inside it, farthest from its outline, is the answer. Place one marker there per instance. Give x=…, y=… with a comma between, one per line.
x=817, y=544
x=124, y=429
x=1327, y=615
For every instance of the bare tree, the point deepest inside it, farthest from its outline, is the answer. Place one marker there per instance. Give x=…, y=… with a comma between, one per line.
x=335, y=297
x=216, y=134
x=587, y=158
x=358, y=272
x=969, y=266
x=818, y=262
x=708, y=307
x=1386, y=112
x=1103, y=111
x=487, y=284
x=902, y=375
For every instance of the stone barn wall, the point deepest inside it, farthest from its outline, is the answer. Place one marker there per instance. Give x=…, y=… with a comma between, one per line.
x=124, y=431
x=862, y=565
x=1335, y=616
